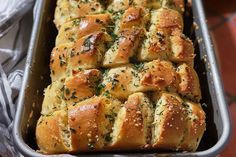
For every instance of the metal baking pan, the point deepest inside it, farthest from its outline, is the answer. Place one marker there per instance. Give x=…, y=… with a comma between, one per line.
x=36, y=78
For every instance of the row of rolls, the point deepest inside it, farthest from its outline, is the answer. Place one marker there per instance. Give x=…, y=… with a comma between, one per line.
x=104, y=123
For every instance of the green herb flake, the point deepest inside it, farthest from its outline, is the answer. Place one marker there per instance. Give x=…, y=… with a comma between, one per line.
x=106, y=94
x=100, y=88
x=108, y=137
x=76, y=22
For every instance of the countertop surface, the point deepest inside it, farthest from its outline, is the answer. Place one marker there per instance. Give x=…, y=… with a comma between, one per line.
x=221, y=19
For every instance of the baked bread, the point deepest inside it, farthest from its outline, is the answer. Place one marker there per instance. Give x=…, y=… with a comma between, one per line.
x=91, y=123
x=178, y=123
x=189, y=83
x=78, y=28
x=132, y=128
x=169, y=122
x=122, y=79
x=164, y=23
x=53, y=100
x=68, y=10
x=52, y=133
x=156, y=75
x=195, y=126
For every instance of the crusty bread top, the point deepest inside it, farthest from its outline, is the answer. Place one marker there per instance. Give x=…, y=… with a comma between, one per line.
x=132, y=126
x=122, y=79
x=67, y=10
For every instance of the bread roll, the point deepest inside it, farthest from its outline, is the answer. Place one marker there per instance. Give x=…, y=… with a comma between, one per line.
x=167, y=20
x=158, y=75
x=53, y=99
x=156, y=46
x=189, y=83
x=91, y=123
x=182, y=49
x=81, y=85
x=152, y=76
x=124, y=48
x=84, y=26
x=174, y=4
x=169, y=122
x=132, y=128
x=52, y=133
x=88, y=52
x=67, y=10
x=133, y=17
x=59, y=61
x=196, y=126
x=164, y=22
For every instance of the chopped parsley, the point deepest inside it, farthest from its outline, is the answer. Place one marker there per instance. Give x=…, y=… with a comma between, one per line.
x=100, y=88
x=76, y=22
x=88, y=44
x=108, y=137
x=106, y=94
x=139, y=67
x=111, y=117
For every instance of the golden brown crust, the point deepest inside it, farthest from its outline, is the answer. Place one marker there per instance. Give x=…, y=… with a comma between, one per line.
x=174, y=4
x=81, y=85
x=182, y=49
x=123, y=49
x=53, y=100
x=133, y=17
x=78, y=28
x=49, y=133
x=169, y=122
x=68, y=10
x=189, y=83
x=156, y=46
x=132, y=126
x=195, y=127
x=164, y=22
x=159, y=75
x=168, y=20
x=58, y=61
x=93, y=23
x=83, y=120
x=87, y=52
x=179, y=5
x=152, y=76
x=86, y=109
x=91, y=122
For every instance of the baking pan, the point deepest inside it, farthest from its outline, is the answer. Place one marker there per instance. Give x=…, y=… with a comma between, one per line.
x=36, y=78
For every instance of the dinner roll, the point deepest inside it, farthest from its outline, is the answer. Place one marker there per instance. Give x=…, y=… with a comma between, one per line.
x=189, y=83
x=169, y=122
x=132, y=128
x=52, y=133
x=91, y=123
x=81, y=85
x=80, y=27
x=67, y=10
